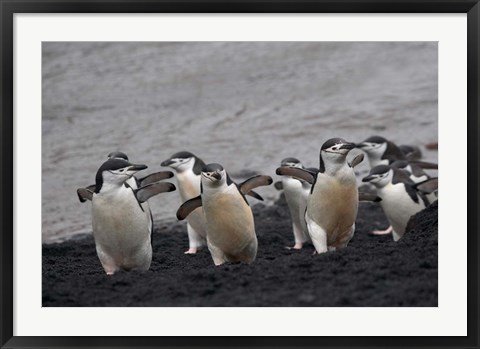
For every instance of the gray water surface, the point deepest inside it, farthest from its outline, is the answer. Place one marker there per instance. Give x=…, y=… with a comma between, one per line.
x=245, y=105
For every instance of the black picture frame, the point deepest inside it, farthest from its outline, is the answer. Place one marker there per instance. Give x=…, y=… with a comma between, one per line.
x=9, y=7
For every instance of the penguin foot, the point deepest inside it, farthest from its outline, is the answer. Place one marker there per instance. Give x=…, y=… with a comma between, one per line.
x=383, y=232
x=297, y=246
x=191, y=250
x=110, y=270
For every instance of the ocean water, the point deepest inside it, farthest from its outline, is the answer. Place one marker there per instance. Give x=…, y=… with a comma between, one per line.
x=246, y=105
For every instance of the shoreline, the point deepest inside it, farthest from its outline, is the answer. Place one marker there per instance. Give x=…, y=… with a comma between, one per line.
x=370, y=271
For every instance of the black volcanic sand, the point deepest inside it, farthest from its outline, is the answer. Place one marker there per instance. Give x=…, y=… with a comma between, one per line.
x=370, y=271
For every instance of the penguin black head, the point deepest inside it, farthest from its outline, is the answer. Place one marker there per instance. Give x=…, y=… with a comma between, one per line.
x=292, y=162
x=380, y=175
x=334, y=151
x=214, y=175
x=117, y=155
x=214, y=167
x=373, y=144
x=381, y=151
x=337, y=146
x=184, y=161
x=375, y=140
x=213, y=171
x=115, y=172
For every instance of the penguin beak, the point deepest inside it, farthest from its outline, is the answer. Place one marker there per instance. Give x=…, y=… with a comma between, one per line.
x=167, y=163
x=368, y=178
x=217, y=175
x=137, y=167
x=360, y=145
x=348, y=146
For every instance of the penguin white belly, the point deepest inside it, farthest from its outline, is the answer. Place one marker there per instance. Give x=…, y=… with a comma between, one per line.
x=398, y=207
x=333, y=205
x=292, y=189
x=230, y=226
x=189, y=187
x=303, y=208
x=296, y=198
x=122, y=230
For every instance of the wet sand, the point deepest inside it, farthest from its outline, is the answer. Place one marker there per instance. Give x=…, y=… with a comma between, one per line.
x=370, y=271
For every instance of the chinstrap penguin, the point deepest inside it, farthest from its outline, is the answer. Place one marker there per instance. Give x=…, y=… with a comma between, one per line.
x=416, y=175
x=121, y=220
x=401, y=197
x=296, y=193
x=230, y=226
x=333, y=202
x=188, y=168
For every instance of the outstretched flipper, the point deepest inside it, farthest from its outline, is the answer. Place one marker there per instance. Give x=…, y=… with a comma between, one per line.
x=188, y=206
x=368, y=197
x=255, y=195
x=425, y=165
x=296, y=172
x=256, y=181
x=428, y=186
x=85, y=194
x=146, y=192
x=356, y=160
x=155, y=177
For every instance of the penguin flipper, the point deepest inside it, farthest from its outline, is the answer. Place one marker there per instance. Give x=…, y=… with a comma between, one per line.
x=155, y=177
x=402, y=176
x=356, y=160
x=85, y=194
x=278, y=185
x=146, y=192
x=428, y=186
x=256, y=181
x=296, y=172
x=255, y=195
x=425, y=165
x=188, y=206
x=368, y=197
